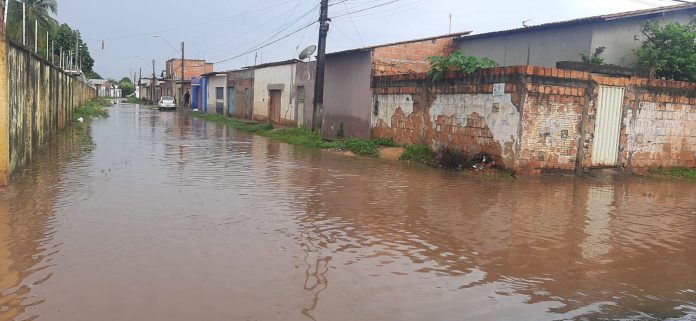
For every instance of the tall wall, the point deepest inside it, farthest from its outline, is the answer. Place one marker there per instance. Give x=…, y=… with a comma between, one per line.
x=41, y=100
x=535, y=119
x=4, y=106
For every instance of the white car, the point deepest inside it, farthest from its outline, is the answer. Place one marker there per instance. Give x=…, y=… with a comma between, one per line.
x=166, y=102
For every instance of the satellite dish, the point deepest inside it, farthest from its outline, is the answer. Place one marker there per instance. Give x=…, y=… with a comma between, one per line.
x=307, y=52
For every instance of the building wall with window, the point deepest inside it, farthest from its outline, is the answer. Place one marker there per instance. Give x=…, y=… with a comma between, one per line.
x=217, y=94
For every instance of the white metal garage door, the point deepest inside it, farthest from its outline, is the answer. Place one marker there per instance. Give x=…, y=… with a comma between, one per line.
x=605, y=147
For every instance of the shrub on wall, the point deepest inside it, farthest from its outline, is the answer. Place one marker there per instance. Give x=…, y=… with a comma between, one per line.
x=458, y=61
x=669, y=50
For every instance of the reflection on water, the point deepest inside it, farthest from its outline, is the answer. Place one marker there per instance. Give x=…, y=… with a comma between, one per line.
x=172, y=218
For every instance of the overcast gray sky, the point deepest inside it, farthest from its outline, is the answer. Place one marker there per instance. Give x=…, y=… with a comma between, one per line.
x=220, y=29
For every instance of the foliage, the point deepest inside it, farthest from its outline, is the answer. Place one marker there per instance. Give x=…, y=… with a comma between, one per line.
x=670, y=50
x=134, y=100
x=36, y=10
x=595, y=58
x=127, y=86
x=457, y=61
x=67, y=38
x=361, y=147
x=420, y=154
x=96, y=107
x=91, y=74
x=384, y=142
x=680, y=172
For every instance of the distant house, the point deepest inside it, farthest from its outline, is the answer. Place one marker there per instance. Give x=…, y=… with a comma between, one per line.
x=193, y=69
x=240, y=93
x=214, y=86
x=347, y=95
x=98, y=84
x=546, y=44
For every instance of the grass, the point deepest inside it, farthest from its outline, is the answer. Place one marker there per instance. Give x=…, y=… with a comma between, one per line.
x=134, y=100
x=420, y=154
x=96, y=107
x=680, y=172
x=302, y=136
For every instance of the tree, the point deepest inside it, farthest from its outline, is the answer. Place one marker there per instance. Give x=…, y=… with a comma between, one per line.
x=93, y=75
x=125, y=79
x=127, y=88
x=669, y=50
x=67, y=39
x=36, y=10
x=595, y=58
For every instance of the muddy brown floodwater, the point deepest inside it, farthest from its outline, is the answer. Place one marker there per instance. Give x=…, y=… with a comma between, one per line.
x=158, y=216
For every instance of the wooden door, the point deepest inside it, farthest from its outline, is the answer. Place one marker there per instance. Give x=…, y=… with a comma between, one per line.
x=274, y=106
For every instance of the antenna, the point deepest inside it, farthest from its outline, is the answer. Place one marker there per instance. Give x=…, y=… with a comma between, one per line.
x=307, y=52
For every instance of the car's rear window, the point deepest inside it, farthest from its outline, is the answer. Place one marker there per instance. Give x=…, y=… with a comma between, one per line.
x=167, y=98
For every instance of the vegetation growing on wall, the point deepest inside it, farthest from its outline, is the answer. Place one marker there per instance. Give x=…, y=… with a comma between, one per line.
x=595, y=58
x=457, y=61
x=669, y=50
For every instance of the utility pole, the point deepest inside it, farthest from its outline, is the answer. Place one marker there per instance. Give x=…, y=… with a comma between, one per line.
x=317, y=114
x=152, y=82
x=181, y=93
x=36, y=36
x=47, y=45
x=53, y=52
x=450, y=25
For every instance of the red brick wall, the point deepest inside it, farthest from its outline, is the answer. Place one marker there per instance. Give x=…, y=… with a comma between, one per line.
x=192, y=68
x=410, y=57
x=240, y=85
x=553, y=109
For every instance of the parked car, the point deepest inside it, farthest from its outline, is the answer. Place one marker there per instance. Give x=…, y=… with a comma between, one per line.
x=166, y=102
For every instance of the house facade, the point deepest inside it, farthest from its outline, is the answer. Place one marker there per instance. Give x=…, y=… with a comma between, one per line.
x=240, y=93
x=274, y=84
x=215, y=93
x=546, y=44
x=192, y=68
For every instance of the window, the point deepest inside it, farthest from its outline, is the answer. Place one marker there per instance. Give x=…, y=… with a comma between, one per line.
x=220, y=93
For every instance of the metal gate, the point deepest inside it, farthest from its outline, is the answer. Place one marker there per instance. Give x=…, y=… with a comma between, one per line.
x=231, y=108
x=605, y=146
x=300, y=105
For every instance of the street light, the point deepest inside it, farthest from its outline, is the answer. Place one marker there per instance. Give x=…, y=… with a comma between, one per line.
x=167, y=42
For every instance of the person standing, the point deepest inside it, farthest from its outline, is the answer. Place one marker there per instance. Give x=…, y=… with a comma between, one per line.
x=187, y=98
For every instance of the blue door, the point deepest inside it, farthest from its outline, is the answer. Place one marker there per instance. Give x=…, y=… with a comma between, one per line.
x=204, y=95
x=230, y=101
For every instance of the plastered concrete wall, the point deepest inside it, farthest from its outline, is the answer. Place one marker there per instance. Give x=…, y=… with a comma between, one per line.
x=347, y=96
x=4, y=108
x=305, y=77
x=621, y=36
x=276, y=77
x=544, y=47
x=41, y=101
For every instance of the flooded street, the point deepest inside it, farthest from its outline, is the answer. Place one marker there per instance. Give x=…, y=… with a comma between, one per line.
x=158, y=216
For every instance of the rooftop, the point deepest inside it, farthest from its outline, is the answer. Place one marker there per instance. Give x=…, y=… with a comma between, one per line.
x=586, y=20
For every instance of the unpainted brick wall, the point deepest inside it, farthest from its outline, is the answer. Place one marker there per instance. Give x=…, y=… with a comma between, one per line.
x=411, y=57
x=554, y=107
x=192, y=68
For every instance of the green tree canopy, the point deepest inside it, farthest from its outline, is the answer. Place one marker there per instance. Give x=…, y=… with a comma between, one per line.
x=670, y=50
x=127, y=88
x=36, y=10
x=125, y=80
x=68, y=39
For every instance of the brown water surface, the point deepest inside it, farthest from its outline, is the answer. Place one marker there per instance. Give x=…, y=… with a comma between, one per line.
x=167, y=217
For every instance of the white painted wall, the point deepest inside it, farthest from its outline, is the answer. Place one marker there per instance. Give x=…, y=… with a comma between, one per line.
x=278, y=75
x=213, y=82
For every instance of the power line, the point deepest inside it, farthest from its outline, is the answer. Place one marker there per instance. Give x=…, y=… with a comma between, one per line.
x=365, y=9
x=268, y=44
x=353, y=22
